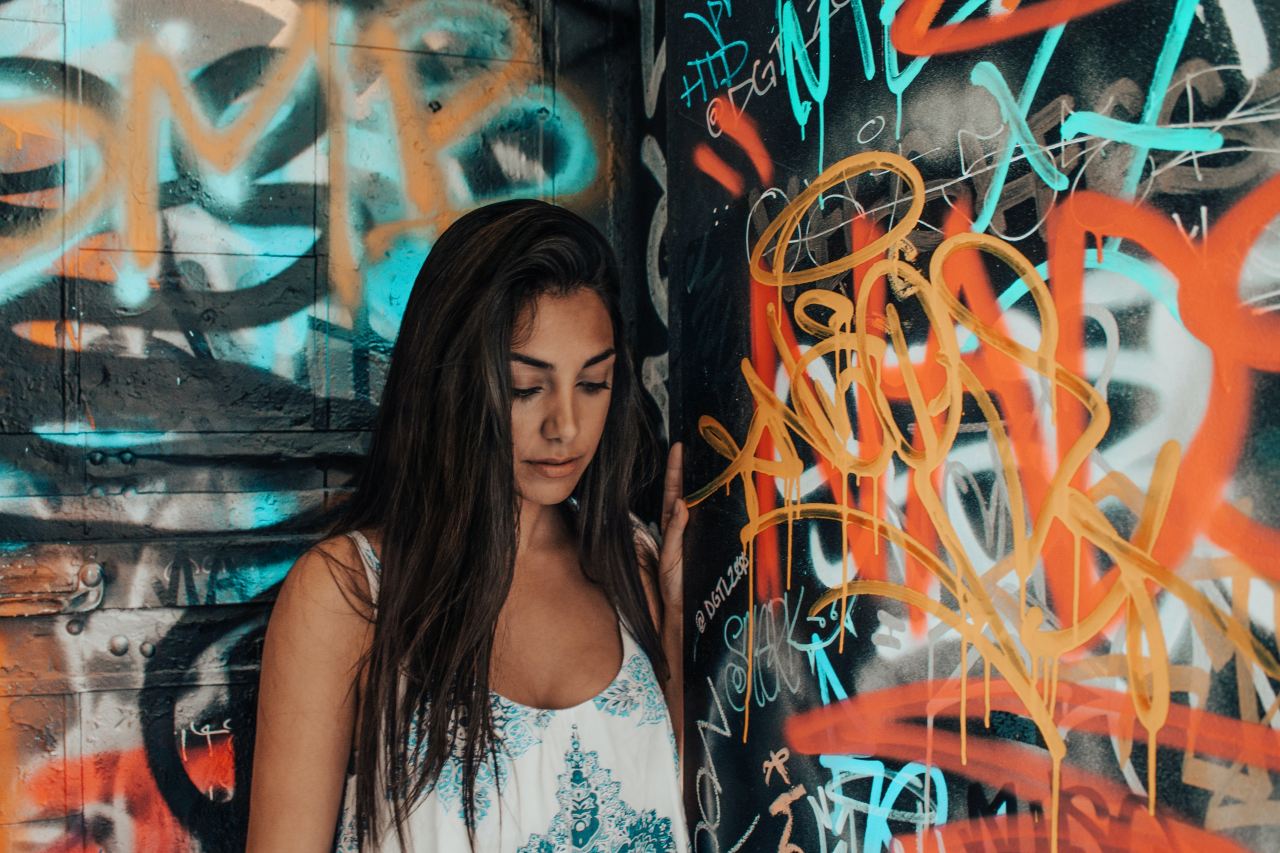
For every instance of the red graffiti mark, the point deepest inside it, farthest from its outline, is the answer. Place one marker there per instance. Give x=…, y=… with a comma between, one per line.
x=966, y=275
x=913, y=31
x=1087, y=824
x=739, y=127
x=1208, y=272
x=122, y=780
x=1210, y=305
x=764, y=361
x=212, y=765
x=890, y=724
x=720, y=171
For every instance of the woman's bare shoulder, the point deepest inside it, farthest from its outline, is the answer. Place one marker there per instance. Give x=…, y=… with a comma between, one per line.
x=321, y=623
x=330, y=577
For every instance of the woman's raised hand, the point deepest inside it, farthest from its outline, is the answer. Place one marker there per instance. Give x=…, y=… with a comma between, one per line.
x=675, y=513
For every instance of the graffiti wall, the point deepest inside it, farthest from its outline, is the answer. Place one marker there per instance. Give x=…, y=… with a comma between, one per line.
x=652, y=339
x=210, y=216
x=974, y=307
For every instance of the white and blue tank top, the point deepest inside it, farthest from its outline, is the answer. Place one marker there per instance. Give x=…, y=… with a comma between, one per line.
x=601, y=776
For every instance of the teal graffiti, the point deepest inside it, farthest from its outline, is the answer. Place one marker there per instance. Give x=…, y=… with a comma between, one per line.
x=768, y=659
x=273, y=346
x=879, y=806
x=795, y=56
x=716, y=62
x=987, y=76
x=864, y=39
x=477, y=32
x=1183, y=14
x=881, y=800
x=1141, y=136
x=460, y=28
x=571, y=170
x=820, y=666
x=578, y=164
x=389, y=280
x=246, y=582
x=100, y=440
x=133, y=285
x=258, y=510
x=16, y=483
x=898, y=81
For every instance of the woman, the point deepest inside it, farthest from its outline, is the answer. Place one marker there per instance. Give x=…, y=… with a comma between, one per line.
x=472, y=659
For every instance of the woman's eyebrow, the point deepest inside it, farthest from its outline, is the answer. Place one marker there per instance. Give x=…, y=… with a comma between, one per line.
x=532, y=362
x=543, y=365
x=598, y=357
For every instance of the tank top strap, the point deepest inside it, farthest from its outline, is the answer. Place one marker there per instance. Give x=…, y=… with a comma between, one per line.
x=372, y=566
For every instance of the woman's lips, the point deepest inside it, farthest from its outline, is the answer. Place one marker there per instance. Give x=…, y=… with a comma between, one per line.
x=564, y=469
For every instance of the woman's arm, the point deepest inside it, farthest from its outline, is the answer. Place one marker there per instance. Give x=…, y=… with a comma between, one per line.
x=306, y=704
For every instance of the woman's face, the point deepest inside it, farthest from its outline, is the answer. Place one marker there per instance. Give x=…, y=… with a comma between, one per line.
x=561, y=375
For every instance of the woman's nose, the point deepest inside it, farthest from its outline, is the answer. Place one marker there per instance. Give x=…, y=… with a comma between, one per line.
x=562, y=421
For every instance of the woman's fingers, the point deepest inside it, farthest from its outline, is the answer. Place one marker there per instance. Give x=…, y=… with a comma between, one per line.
x=673, y=482
x=671, y=560
x=675, y=513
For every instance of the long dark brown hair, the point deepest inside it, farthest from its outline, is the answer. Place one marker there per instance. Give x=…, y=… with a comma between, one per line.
x=439, y=483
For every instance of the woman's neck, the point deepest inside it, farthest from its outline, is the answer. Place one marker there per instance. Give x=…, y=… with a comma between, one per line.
x=542, y=529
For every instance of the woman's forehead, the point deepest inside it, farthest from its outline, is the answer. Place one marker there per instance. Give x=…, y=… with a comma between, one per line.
x=570, y=329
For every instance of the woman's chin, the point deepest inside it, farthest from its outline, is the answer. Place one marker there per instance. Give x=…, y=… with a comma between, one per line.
x=547, y=494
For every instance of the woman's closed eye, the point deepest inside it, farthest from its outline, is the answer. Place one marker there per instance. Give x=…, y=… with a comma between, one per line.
x=589, y=387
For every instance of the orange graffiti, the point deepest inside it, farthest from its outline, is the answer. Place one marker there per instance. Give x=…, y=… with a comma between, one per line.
x=58, y=334
x=1054, y=509
x=129, y=148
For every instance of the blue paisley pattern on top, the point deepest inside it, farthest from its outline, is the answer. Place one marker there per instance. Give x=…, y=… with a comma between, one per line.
x=345, y=842
x=517, y=728
x=635, y=690
x=593, y=816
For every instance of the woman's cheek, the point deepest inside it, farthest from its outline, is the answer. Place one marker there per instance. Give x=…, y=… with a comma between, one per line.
x=520, y=430
x=601, y=415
